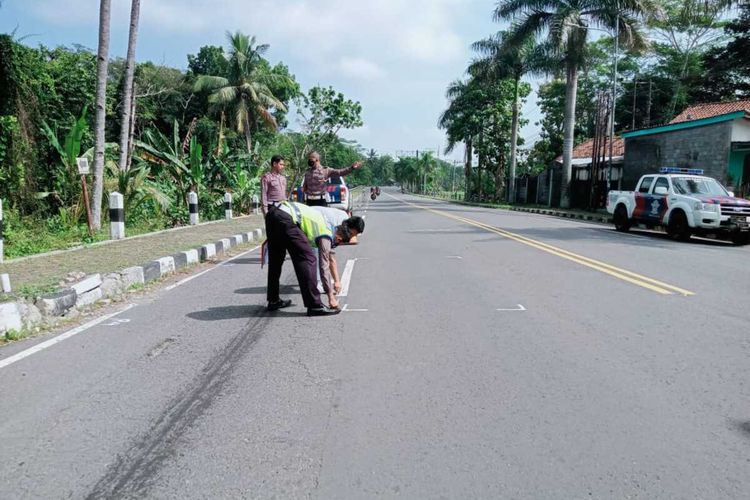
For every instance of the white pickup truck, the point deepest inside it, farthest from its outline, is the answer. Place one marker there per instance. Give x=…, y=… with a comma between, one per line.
x=684, y=203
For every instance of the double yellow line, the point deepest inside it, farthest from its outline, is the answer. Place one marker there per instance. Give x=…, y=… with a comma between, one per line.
x=616, y=272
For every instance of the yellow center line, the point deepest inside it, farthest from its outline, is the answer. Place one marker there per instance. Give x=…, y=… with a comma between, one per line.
x=616, y=272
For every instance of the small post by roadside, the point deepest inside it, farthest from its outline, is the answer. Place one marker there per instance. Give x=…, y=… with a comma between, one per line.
x=256, y=203
x=227, y=206
x=116, y=216
x=5, y=283
x=193, y=207
x=83, y=171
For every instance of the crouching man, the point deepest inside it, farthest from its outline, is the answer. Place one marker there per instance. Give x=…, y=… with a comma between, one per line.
x=297, y=229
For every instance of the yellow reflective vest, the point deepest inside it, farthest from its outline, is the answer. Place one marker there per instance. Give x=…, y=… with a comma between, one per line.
x=310, y=221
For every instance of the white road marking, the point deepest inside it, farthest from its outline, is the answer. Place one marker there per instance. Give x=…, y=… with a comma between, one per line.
x=117, y=322
x=346, y=309
x=223, y=264
x=454, y=257
x=518, y=308
x=49, y=343
x=347, y=277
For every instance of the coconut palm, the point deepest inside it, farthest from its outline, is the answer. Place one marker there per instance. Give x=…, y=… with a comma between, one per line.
x=127, y=98
x=501, y=61
x=245, y=89
x=566, y=25
x=102, y=62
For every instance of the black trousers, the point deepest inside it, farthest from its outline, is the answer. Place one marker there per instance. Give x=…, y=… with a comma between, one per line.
x=284, y=236
x=317, y=203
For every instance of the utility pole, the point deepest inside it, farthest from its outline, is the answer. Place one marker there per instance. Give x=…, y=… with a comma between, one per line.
x=648, y=106
x=635, y=94
x=614, y=96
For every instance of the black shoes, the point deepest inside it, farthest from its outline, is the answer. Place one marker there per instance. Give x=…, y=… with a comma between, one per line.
x=322, y=311
x=279, y=304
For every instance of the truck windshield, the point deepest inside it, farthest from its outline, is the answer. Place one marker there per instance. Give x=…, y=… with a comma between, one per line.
x=694, y=185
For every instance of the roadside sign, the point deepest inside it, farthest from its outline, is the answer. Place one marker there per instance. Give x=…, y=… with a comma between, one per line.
x=83, y=166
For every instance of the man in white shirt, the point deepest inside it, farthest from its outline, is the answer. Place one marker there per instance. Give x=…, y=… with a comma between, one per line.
x=327, y=257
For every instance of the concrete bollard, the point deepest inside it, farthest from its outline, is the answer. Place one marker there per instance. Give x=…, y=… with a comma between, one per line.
x=193, y=207
x=227, y=206
x=116, y=216
x=2, y=242
x=256, y=203
x=5, y=283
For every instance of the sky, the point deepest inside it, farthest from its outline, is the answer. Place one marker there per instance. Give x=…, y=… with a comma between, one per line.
x=396, y=57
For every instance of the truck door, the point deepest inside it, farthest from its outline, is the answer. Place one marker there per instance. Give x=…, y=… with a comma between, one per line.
x=641, y=197
x=656, y=204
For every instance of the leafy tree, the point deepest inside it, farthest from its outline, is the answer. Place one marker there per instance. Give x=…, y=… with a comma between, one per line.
x=324, y=112
x=727, y=74
x=210, y=60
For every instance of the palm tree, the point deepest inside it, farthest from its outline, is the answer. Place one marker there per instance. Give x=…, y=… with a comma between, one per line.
x=566, y=24
x=501, y=61
x=246, y=87
x=461, y=122
x=128, y=86
x=102, y=62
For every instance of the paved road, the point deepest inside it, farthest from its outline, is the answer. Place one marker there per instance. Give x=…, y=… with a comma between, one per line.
x=486, y=354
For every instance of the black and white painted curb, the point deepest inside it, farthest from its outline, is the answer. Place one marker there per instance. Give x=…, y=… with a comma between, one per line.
x=561, y=213
x=68, y=301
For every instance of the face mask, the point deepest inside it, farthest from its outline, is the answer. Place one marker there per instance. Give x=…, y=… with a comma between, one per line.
x=311, y=163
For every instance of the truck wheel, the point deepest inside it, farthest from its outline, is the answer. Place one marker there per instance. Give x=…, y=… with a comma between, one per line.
x=678, y=228
x=622, y=223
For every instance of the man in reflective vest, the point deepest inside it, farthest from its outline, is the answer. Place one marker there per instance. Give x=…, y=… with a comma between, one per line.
x=297, y=228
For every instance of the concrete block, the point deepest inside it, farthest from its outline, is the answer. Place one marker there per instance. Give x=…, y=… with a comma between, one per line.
x=151, y=271
x=207, y=252
x=10, y=317
x=180, y=260
x=91, y=282
x=132, y=276
x=166, y=265
x=56, y=304
x=112, y=285
x=226, y=243
x=192, y=256
x=258, y=234
x=237, y=240
x=249, y=236
x=30, y=314
x=89, y=297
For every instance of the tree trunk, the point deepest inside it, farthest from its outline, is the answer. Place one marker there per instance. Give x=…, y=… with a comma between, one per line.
x=248, y=139
x=131, y=133
x=571, y=89
x=467, y=166
x=480, y=189
x=127, y=97
x=514, y=144
x=102, y=63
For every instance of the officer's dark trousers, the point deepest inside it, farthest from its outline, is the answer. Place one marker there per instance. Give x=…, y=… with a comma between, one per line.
x=283, y=236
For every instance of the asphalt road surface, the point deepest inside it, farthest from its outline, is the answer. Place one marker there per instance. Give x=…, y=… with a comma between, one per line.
x=483, y=354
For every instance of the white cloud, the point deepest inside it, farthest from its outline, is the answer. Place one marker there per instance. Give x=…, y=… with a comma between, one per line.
x=360, y=68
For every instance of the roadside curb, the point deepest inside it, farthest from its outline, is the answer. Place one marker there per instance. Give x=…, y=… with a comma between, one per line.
x=569, y=215
x=68, y=301
x=541, y=211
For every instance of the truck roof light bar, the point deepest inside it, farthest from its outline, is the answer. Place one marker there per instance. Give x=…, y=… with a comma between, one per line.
x=678, y=170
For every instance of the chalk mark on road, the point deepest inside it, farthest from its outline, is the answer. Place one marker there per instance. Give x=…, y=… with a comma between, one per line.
x=519, y=308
